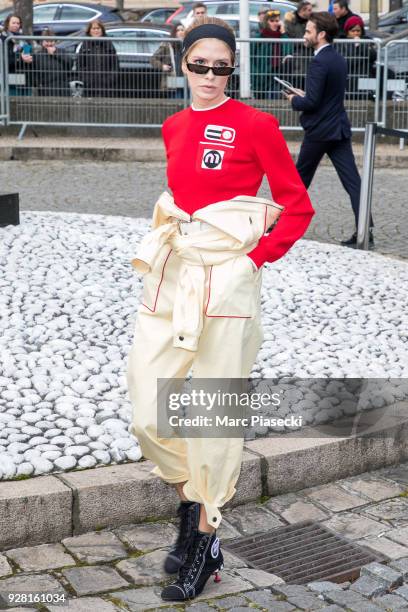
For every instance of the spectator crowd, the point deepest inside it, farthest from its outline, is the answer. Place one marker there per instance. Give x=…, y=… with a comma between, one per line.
x=93, y=69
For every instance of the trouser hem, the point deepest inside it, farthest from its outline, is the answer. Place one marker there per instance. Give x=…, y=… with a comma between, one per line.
x=214, y=515
x=171, y=479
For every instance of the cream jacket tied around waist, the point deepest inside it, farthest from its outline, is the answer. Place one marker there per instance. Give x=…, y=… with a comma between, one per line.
x=234, y=229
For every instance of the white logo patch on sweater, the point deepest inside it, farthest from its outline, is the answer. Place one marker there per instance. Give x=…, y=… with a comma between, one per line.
x=215, y=548
x=212, y=159
x=219, y=133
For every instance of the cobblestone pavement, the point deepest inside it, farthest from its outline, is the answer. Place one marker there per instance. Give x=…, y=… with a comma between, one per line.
x=121, y=569
x=131, y=188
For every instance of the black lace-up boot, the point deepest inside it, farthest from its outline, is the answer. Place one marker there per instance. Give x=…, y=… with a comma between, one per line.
x=204, y=558
x=189, y=516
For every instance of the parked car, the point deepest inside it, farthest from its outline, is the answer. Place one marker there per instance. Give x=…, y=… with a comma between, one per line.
x=397, y=70
x=66, y=18
x=159, y=15
x=392, y=23
x=137, y=78
x=398, y=60
x=229, y=10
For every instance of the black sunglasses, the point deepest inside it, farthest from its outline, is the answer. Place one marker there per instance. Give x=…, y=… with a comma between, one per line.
x=217, y=70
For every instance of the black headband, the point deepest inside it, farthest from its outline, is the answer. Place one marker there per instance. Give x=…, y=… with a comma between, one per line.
x=208, y=30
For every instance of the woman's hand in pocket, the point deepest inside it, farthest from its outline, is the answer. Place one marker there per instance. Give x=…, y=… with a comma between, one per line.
x=253, y=264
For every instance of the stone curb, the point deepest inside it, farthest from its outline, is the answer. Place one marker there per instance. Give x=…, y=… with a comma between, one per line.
x=292, y=463
x=49, y=508
x=77, y=153
x=142, y=154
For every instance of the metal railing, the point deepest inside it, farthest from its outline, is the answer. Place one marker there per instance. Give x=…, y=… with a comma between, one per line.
x=3, y=113
x=395, y=86
x=121, y=82
x=85, y=81
x=289, y=59
x=366, y=193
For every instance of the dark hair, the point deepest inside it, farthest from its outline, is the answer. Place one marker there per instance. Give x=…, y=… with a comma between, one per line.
x=7, y=21
x=91, y=23
x=174, y=28
x=325, y=22
x=199, y=5
x=342, y=3
x=270, y=14
x=47, y=32
x=303, y=3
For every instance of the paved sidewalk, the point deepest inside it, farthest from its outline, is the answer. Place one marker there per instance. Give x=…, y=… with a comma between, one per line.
x=131, y=188
x=148, y=148
x=121, y=569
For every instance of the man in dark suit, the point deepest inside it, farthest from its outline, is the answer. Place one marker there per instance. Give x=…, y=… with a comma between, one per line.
x=324, y=119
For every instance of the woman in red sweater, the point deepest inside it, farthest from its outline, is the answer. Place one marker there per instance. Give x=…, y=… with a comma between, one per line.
x=202, y=264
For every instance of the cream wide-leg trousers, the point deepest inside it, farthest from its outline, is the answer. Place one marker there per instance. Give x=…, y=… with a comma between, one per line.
x=200, y=309
x=227, y=348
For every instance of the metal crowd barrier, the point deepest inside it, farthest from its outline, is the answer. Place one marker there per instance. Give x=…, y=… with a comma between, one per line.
x=3, y=113
x=288, y=59
x=366, y=193
x=82, y=81
x=395, y=110
x=111, y=82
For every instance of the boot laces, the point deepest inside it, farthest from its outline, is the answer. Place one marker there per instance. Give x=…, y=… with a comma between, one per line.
x=186, y=527
x=194, y=560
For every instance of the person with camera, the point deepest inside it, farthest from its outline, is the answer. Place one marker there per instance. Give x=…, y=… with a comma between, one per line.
x=268, y=59
x=167, y=59
x=18, y=54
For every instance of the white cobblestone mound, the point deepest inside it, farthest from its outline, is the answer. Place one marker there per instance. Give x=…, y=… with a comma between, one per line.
x=68, y=297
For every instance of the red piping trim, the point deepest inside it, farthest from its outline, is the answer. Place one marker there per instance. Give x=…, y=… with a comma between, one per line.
x=219, y=316
x=158, y=288
x=266, y=210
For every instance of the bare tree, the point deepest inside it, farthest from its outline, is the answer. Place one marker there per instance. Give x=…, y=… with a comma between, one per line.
x=24, y=8
x=120, y=5
x=373, y=14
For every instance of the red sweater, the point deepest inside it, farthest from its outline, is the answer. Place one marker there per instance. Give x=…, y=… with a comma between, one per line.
x=219, y=153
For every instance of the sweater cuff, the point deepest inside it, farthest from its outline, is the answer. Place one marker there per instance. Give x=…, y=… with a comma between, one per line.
x=294, y=104
x=258, y=256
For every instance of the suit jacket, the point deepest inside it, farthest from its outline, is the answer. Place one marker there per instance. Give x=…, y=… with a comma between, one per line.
x=324, y=116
